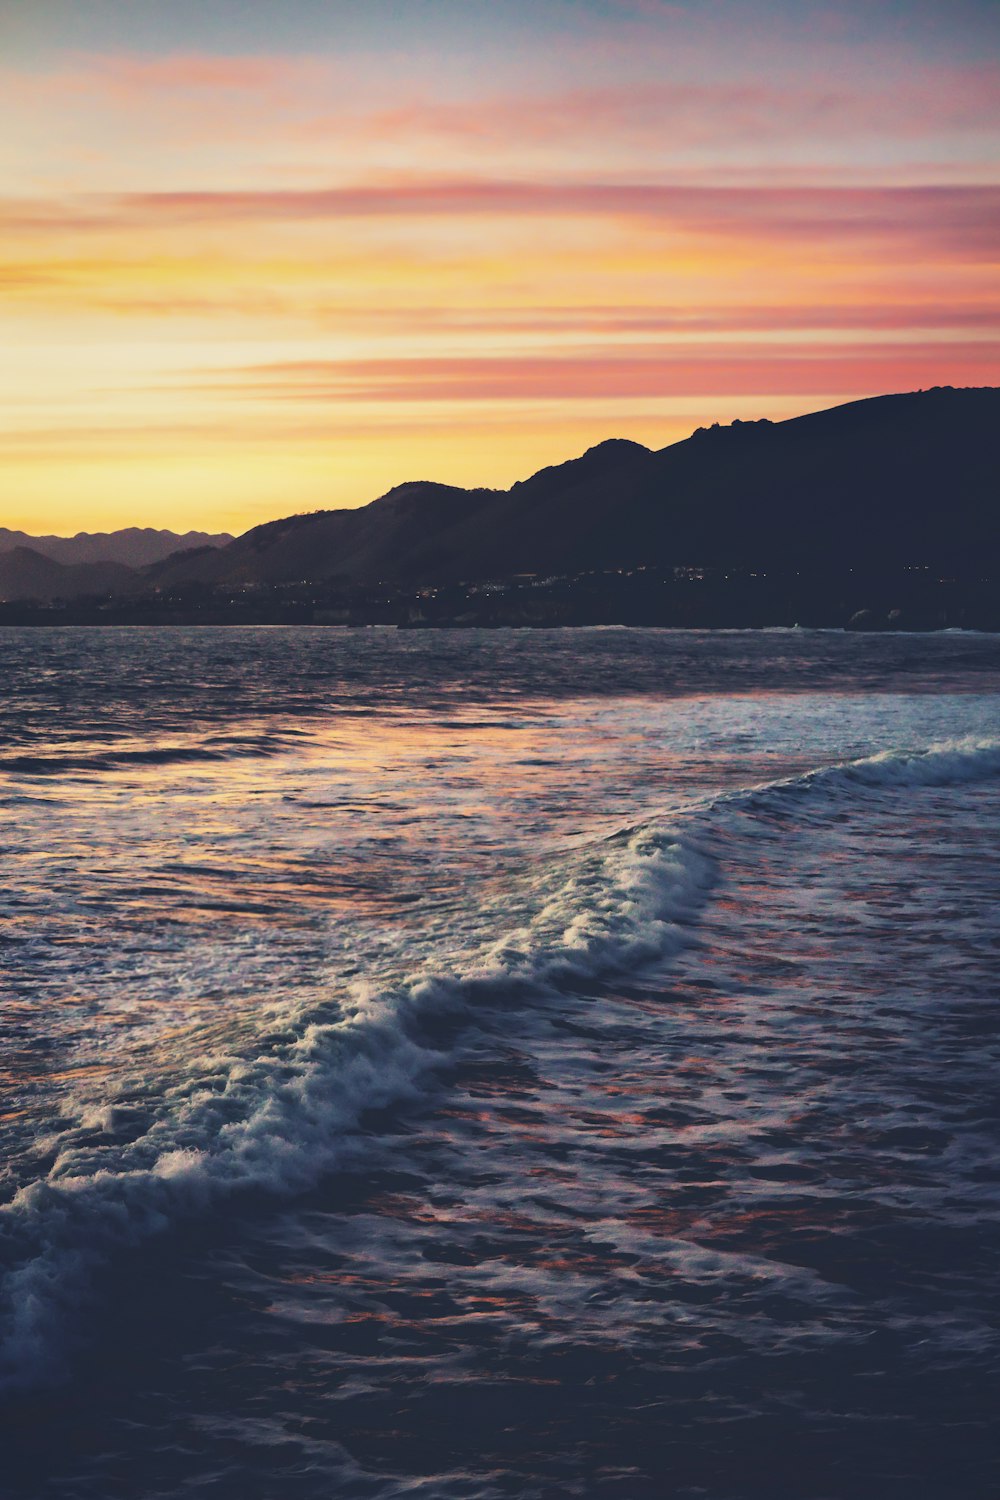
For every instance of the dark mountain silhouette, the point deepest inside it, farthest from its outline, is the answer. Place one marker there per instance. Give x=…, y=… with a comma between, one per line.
x=894, y=480
x=383, y=539
x=136, y=546
x=860, y=494
x=26, y=574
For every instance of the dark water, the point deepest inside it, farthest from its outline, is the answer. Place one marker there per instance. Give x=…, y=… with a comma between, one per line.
x=511, y=1064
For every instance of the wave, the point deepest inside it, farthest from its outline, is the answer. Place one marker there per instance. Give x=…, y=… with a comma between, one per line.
x=947, y=764
x=116, y=758
x=277, y=1115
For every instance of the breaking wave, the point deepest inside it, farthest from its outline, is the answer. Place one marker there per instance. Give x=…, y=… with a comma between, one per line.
x=276, y=1113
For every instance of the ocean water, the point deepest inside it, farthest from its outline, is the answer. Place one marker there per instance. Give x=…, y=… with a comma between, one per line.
x=499, y=1064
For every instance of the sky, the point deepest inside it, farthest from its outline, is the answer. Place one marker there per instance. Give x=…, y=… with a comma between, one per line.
x=267, y=256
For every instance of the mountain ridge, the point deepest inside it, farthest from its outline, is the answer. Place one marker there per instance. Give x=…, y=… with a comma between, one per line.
x=868, y=480
x=902, y=481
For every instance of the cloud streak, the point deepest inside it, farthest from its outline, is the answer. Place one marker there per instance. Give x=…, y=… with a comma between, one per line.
x=600, y=217
x=961, y=220
x=663, y=373
x=685, y=113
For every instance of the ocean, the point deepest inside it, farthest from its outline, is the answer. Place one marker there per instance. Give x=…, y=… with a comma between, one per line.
x=467, y=1064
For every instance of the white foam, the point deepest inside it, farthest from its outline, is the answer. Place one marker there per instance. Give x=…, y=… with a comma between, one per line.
x=278, y=1120
x=946, y=764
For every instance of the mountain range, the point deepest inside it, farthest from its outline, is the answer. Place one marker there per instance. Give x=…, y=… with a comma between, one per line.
x=894, y=481
x=135, y=546
x=99, y=562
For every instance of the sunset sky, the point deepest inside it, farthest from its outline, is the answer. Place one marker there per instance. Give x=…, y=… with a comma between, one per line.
x=262, y=257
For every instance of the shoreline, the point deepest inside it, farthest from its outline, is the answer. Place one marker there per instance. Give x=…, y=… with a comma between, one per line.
x=199, y=622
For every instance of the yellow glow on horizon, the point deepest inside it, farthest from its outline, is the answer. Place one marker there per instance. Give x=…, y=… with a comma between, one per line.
x=236, y=287
x=108, y=483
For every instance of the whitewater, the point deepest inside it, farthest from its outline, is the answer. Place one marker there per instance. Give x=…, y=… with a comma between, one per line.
x=499, y=1063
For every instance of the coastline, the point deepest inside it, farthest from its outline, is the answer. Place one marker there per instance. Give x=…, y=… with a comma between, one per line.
x=697, y=601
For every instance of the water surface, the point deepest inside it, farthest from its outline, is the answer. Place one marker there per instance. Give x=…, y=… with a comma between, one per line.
x=499, y=1064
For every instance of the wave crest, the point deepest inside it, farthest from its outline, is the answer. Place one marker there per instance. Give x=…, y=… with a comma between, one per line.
x=279, y=1119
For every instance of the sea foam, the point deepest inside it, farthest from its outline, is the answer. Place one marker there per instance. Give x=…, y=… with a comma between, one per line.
x=277, y=1118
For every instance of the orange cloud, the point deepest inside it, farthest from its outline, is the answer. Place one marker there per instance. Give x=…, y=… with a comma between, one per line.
x=215, y=266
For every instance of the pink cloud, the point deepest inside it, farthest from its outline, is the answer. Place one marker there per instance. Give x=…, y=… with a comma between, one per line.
x=673, y=372
x=675, y=114
x=194, y=96
x=759, y=318
x=961, y=220
x=128, y=77
x=658, y=111
x=181, y=72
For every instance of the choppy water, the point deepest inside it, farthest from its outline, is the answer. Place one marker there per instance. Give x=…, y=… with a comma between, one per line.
x=499, y=1064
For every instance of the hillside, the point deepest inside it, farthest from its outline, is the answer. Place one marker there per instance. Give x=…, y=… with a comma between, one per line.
x=388, y=538
x=875, y=509
x=903, y=479
x=26, y=574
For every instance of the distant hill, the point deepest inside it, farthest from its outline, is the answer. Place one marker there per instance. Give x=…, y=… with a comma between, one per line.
x=26, y=574
x=135, y=546
x=891, y=480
